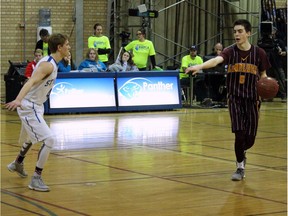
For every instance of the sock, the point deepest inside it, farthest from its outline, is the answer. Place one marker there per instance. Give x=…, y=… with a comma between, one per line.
x=24, y=149
x=240, y=165
x=19, y=159
x=38, y=171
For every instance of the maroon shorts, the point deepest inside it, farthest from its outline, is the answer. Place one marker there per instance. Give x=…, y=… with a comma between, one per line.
x=244, y=115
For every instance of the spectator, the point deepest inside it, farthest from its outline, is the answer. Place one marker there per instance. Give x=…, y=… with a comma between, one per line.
x=43, y=42
x=277, y=58
x=124, y=63
x=216, y=83
x=66, y=64
x=187, y=61
x=38, y=54
x=216, y=50
x=101, y=43
x=92, y=62
x=141, y=49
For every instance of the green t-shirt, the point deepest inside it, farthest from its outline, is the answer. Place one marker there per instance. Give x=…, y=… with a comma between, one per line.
x=141, y=51
x=186, y=62
x=45, y=49
x=99, y=43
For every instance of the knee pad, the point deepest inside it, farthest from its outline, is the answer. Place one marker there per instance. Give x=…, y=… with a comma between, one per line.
x=50, y=141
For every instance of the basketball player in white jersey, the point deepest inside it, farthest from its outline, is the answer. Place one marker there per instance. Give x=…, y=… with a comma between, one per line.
x=30, y=108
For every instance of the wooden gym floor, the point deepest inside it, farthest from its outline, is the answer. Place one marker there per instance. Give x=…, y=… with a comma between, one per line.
x=169, y=163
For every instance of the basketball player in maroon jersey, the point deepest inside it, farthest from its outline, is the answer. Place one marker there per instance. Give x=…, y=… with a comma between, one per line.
x=246, y=63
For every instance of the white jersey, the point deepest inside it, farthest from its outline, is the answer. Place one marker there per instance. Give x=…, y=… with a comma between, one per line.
x=39, y=93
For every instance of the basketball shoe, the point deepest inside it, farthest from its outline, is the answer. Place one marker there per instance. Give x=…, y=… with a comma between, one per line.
x=38, y=184
x=18, y=168
x=238, y=175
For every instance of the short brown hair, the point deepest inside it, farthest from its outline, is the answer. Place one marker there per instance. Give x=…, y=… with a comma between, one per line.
x=245, y=23
x=55, y=40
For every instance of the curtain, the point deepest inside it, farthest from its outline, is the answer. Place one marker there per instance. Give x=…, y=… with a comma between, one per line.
x=194, y=22
x=182, y=23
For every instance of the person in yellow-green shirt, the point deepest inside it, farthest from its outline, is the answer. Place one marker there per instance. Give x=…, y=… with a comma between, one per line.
x=187, y=61
x=43, y=42
x=142, y=49
x=101, y=43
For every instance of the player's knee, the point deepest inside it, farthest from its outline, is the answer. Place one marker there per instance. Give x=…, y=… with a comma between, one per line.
x=240, y=135
x=50, y=141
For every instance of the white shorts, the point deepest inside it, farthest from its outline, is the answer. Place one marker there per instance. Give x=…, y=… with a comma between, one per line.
x=34, y=128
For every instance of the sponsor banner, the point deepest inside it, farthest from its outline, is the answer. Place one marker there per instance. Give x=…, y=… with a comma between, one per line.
x=82, y=92
x=134, y=91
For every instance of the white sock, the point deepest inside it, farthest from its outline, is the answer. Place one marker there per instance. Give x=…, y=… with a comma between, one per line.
x=36, y=174
x=241, y=165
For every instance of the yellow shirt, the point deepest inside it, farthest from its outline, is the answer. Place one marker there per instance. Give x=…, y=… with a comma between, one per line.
x=141, y=51
x=45, y=49
x=101, y=42
x=186, y=62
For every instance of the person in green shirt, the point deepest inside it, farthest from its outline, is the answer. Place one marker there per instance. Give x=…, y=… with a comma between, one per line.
x=43, y=42
x=187, y=61
x=142, y=49
x=101, y=43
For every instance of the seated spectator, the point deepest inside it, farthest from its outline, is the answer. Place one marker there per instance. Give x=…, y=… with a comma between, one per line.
x=92, y=63
x=43, y=42
x=187, y=61
x=216, y=83
x=66, y=64
x=38, y=54
x=218, y=48
x=124, y=63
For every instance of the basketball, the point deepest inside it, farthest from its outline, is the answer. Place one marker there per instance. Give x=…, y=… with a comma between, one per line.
x=267, y=88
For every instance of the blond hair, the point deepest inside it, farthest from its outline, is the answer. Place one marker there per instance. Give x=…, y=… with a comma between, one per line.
x=38, y=51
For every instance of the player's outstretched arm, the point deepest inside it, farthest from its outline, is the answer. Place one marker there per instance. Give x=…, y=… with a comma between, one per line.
x=208, y=64
x=194, y=69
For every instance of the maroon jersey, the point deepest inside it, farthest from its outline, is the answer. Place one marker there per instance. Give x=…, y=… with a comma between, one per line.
x=243, y=70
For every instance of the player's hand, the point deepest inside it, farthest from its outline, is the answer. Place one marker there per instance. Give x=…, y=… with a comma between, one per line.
x=194, y=69
x=12, y=105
